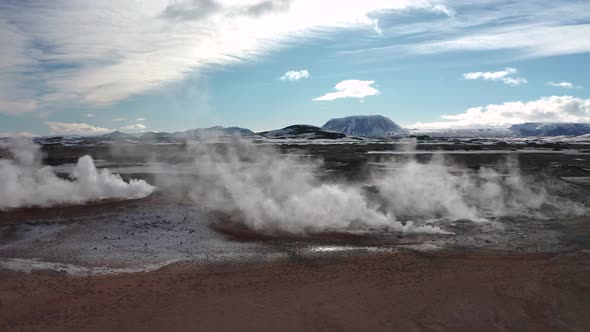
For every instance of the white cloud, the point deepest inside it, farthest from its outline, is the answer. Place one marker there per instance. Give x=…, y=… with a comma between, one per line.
x=17, y=107
x=442, y=9
x=295, y=75
x=376, y=26
x=546, y=109
x=61, y=128
x=566, y=85
x=119, y=119
x=67, y=49
x=350, y=89
x=90, y=115
x=18, y=134
x=133, y=128
x=140, y=119
x=501, y=76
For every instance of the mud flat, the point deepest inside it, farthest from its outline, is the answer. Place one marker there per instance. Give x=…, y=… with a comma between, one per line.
x=404, y=291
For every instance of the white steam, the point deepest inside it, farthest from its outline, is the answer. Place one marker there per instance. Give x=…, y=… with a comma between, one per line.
x=25, y=182
x=270, y=191
x=434, y=190
x=275, y=192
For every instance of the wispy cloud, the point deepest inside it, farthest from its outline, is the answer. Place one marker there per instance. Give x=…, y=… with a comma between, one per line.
x=504, y=76
x=15, y=107
x=119, y=119
x=62, y=128
x=350, y=89
x=546, y=109
x=64, y=53
x=566, y=85
x=528, y=40
x=140, y=119
x=540, y=29
x=295, y=75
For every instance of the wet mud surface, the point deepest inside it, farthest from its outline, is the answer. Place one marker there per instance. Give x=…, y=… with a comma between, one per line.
x=405, y=291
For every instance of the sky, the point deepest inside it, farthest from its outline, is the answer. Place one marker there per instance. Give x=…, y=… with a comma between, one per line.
x=91, y=67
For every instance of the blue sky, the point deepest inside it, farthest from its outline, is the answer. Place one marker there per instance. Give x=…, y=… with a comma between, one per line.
x=70, y=67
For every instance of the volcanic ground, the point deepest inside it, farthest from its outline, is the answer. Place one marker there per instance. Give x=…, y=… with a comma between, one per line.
x=60, y=263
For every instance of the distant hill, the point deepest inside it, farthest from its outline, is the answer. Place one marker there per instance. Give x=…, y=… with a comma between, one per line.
x=164, y=137
x=212, y=132
x=302, y=131
x=550, y=129
x=118, y=136
x=156, y=137
x=366, y=126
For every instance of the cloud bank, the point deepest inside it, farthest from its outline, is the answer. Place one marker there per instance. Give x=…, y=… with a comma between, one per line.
x=546, y=109
x=61, y=128
x=350, y=89
x=134, y=128
x=17, y=134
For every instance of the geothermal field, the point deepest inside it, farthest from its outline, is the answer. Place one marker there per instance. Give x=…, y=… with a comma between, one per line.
x=247, y=234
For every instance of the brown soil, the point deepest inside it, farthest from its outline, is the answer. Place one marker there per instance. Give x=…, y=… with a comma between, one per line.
x=406, y=291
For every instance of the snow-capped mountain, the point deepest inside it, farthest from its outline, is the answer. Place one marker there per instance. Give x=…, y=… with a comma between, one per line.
x=302, y=131
x=366, y=126
x=550, y=129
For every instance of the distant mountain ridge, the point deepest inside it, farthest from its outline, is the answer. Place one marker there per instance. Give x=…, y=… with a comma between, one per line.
x=366, y=126
x=151, y=136
x=372, y=126
x=147, y=137
x=550, y=129
x=212, y=132
x=117, y=135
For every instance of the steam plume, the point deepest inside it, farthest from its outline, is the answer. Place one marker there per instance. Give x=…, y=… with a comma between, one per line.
x=26, y=182
x=276, y=192
x=271, y=191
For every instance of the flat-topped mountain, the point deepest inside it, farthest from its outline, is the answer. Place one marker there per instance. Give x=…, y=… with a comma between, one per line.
x=366, y=126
